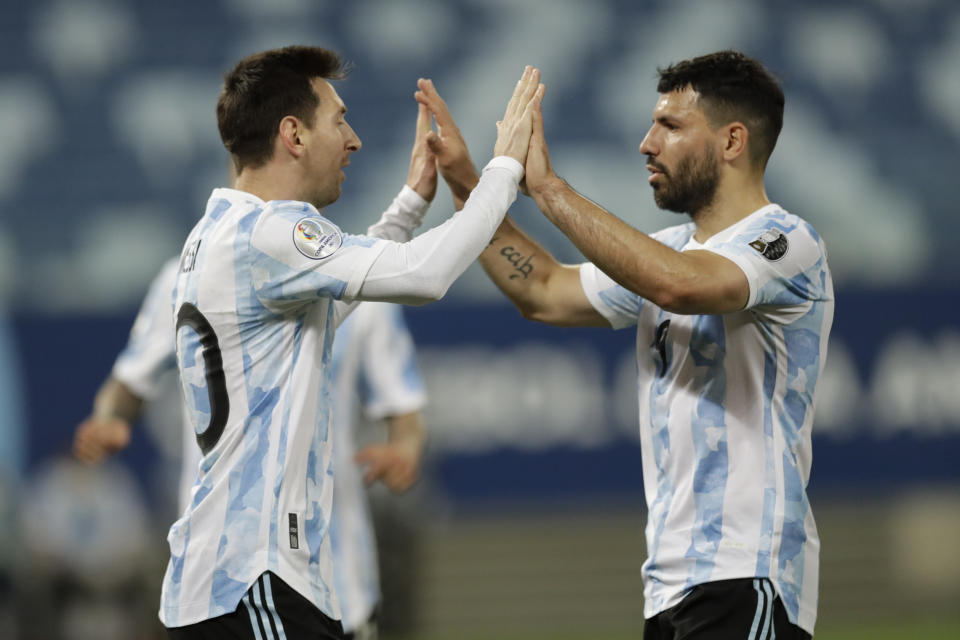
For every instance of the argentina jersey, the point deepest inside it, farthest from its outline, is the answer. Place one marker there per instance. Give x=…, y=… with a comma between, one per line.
x=726, y=411
x=148, y=353
x=374, y=372
x=254, y=318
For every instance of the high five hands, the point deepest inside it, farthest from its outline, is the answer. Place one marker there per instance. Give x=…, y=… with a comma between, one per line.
x=514, y=132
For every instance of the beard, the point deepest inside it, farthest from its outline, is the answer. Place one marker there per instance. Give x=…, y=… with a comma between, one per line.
x=691, y=186
x=325, y=194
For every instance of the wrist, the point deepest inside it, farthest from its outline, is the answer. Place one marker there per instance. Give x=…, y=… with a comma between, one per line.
x=546, y=190
x=461, y=182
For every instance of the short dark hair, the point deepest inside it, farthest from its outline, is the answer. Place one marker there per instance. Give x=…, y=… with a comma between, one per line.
x=263, y=89
x=733, y=86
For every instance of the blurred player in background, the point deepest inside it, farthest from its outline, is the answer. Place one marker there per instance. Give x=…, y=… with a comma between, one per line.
x=373, y=370
x=733, y=313
x=264, y=280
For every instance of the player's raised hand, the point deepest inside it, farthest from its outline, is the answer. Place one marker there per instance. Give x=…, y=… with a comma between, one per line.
x=538, y=169
x=98, y=437
x=513, y=132
x=447, y=143
x=422, y=177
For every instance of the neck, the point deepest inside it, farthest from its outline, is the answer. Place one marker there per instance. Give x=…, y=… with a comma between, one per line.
x=268, y=183
x=729, y=206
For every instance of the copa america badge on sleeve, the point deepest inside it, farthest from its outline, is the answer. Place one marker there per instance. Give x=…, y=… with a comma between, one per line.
x=316, y=238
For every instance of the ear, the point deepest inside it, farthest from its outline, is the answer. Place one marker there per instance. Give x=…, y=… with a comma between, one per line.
x=289, y=133
x=735, y=142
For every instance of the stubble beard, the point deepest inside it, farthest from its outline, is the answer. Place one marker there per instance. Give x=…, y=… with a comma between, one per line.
x=325, y=195
x=691, y=186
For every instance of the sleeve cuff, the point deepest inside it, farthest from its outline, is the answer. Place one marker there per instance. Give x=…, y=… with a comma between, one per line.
x=411, y=200
x=588, y=277
x=508, y=163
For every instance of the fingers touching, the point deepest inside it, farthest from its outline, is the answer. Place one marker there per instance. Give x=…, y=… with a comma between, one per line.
x=513, y=133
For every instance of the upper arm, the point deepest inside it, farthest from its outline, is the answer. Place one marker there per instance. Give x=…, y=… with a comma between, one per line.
x=299, y=256
x=783, y=261
x=714, y=284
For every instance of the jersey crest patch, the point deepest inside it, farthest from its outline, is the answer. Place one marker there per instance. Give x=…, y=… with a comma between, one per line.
x=771, y=244
x=316, y=238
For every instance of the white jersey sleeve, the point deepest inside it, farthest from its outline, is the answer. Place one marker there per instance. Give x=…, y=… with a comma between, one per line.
x=424, y=268
x=303, y=256
x=300, y=256
x=401, y=218
x=783, y=259
x=620, y=306
x=150, y=350
x=391, y=383
x=397, y=223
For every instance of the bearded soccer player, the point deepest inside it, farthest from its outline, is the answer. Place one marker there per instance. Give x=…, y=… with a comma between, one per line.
x=733, y=311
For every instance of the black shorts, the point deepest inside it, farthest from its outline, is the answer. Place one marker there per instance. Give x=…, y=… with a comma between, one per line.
x=746, y=608
x=269, y=610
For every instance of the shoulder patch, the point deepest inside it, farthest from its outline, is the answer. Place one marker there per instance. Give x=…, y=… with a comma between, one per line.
x=316, y=238
x=771, y=244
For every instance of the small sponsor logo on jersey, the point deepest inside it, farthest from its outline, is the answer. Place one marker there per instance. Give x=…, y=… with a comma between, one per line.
x=293, y=530
x=189, y=258
x=772, y=244
x=316, y=238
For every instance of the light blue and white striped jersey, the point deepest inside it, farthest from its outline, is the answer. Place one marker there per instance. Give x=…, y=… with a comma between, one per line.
x=255, y=324
x=374, y=370
x=149, y=351
x=726, y=410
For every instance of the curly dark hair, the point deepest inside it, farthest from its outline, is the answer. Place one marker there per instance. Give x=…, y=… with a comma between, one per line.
x=733, y=87
x=264, y=88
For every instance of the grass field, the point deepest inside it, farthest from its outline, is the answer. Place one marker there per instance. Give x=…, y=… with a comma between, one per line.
x=942, y=629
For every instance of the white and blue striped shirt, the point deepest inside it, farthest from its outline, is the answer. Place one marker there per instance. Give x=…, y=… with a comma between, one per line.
x=374, y=371
x=262, y=286
x=726, y=410
x=254, y=332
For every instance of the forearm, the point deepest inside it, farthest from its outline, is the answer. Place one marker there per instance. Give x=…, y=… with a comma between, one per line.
x=407, y=430
x=670, y=279
x=423, y=269
x=461, y=181
x=401, y=218
x=519, y=267
x=543, y=289
x=116, y=400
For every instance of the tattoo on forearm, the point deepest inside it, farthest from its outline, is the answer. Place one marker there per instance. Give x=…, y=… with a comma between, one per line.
x=522, y=267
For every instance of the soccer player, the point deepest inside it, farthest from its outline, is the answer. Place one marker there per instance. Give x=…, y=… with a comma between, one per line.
x=733, y=312
x=373, y=368
x=264, y=280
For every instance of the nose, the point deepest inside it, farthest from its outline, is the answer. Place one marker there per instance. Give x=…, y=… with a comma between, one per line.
x=353, y=141
x=646, y=145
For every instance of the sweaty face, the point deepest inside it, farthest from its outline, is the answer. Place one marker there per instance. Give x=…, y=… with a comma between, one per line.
x=329, y=143
x=681, y=156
